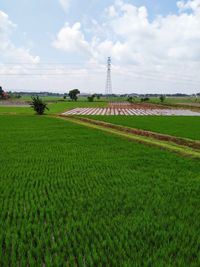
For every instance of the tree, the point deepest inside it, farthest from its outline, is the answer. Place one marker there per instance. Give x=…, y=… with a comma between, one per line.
x=144, y=99
x=162, y=98
x=1, y=92
x=38, y=105
x=73, y=94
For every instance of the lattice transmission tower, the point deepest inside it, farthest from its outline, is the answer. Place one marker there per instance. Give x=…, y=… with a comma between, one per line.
x=108, y=90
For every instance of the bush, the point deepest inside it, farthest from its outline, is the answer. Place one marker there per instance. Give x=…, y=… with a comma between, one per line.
x=131, y=99
x=38, y=105
x=162, y=98
x=91, y=98
x=144, y=99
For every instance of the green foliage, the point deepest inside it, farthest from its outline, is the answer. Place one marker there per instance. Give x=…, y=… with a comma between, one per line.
x=1, y=92
x=56, y=107
x=91, y=98
x=162, y=98
x=73, y=94
x=38, y=105
x=18, y=96
x=73, y=196
x=144, y=99
x=64, y=96
x=131, y=99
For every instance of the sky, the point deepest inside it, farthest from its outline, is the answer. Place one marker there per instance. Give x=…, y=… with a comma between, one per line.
x=57, y=45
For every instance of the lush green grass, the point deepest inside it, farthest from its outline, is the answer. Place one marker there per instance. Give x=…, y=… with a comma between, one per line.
x=168, y=100
x=64, y=106
x=182, y=126
x=156, y=100
x=57, y=107
x=15, y=110
x=175, y=100
x=45, y=98
x=59, y=98
x=73, y=196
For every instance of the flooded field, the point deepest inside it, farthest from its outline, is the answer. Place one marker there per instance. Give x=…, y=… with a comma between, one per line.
x=131, y=112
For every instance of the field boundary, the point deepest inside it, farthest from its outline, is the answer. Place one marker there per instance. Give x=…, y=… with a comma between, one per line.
x=155, y=135
x=185, y=147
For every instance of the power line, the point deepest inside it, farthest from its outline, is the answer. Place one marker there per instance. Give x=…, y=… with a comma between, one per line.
x=149, y=75
x=61, y=67
x=132, y=75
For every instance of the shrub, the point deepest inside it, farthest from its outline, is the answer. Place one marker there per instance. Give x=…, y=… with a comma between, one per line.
x=91, y=98
x=38, y=105
x=162, y=98
x=131, y=99
x=144, y=99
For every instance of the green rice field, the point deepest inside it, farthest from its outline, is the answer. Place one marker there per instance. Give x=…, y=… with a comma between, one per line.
x=56, y=107
x=181, y=126
x=75, y=196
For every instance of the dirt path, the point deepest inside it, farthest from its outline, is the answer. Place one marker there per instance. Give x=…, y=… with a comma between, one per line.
x=181, y=146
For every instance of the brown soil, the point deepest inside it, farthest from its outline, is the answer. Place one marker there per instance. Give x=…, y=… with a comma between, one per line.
x=154, y=135
x=14, y=103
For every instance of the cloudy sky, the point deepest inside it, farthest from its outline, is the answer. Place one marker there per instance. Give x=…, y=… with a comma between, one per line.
x=56, y=45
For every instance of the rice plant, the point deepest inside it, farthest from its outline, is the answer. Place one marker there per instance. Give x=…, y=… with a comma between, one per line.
x=73, y=196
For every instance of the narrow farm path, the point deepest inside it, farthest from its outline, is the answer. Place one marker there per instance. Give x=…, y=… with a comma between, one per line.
x=182, y=146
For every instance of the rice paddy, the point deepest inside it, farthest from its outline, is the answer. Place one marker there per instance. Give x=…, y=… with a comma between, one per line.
x=74, y=196
x=181, y=126
x=131, y=112
x=54, y=107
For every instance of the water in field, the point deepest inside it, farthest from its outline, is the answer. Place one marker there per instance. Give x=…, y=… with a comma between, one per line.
x=131, y=112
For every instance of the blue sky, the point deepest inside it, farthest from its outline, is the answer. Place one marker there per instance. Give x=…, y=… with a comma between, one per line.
x=39, y=20
x=148, y=41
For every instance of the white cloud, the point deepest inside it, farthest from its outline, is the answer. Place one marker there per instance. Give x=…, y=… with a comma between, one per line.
x=159, y=55
x=8, y=51
x=71, y=39
x=6, y=25
x=65, y=4
x=191, y=4
x=166, y=49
